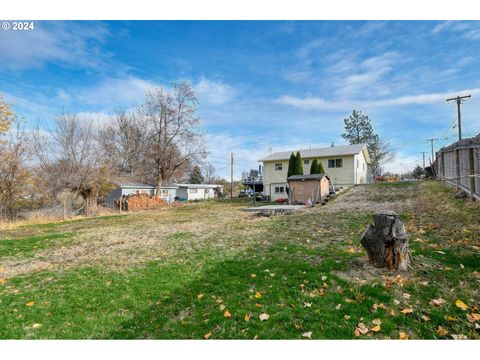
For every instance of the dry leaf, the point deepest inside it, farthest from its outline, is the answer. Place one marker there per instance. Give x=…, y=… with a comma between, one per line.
x=297, y=326
x=207, y=335
x=375, y=328
x=442, y=331
x=199, y=296
x=472, y=317
x=477, y=326
x=425, y=318
x=324, y=278
x=396, y=302
x=247, y=317
x=227, y=314
x=392, y=312
x=406, y=295
x=338, y=306
x=403, y=335
x=362, y=329
x=406, y=311
x=253, y=275
x=36, y=326
x=258, y=295
x=450, y=318
x=349, y=300
x=437, y=302
x=459, y=337
x=264, y=317
x=2, y=281
x=307, y=305
x=307, y=334
x=460, y=304
x=30, y=303
x=222, y=307
x=346, y=317
x=257, y=305
x=376, y=321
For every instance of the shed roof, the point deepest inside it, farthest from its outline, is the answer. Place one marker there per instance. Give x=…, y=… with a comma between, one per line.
x=321, y=152
x=307, y=177
x=199, y=186
x=133, y=184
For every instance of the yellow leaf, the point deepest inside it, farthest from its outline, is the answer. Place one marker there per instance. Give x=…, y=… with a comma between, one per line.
x=36, y=326
x=264, y=317
x=2, y=281
x=473, y=317
x=376, y=328
x=207, y=335
x=247, y=317
x=406, y=311
x=258, y=295
x=460, y=304
x=30, y=303
x=253, y=275
x=199, y=296
x=403, y=335
x=450, y=318
x=227, y=314
x=442, y=331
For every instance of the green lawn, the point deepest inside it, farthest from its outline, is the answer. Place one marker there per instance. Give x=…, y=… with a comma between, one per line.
x=212, y=270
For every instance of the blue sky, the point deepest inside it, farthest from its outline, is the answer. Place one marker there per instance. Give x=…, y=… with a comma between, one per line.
x=284, y=85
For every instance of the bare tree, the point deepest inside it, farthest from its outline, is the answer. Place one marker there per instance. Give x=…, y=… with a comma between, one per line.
x=70, y=160
x=209, y=173
x=14, y=174
x=6, y=116
x=173, y=138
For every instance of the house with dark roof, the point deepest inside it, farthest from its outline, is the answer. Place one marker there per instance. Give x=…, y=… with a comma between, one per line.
x=344, y=165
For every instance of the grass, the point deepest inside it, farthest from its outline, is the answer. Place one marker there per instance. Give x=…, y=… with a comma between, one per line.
x=306, y=271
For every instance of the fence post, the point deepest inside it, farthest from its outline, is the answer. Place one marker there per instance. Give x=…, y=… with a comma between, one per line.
x=457, y=166
x=471, y=166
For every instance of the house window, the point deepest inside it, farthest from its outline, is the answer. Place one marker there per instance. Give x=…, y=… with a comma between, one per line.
x=278, y=166
x=306, y=162
x=279, y=189
x=164, y=192
x=335, y=163
x=193, y=191
x=357, y=163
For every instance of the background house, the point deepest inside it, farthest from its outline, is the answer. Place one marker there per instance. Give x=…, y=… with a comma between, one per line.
x=128, y=187
x=191, y=192
x=344, y=165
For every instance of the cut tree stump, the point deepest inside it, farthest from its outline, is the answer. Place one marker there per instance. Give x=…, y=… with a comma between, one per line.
x=386, y=242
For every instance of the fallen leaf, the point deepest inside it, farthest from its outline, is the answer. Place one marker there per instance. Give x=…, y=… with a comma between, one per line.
x=462, y=266
x=297, y=326
x=450, y=318
x=346, y=317
x=425, y=318
x=406, y=295
x=376, y=321
x=472, y=317
x=207, y=335
x=253, y=275
x=264, y=317
x=460, y=304
x=307, y=334
x=227, y=314
x=36, y=326
x=437, y=302
x=375, y=328
x=247, y=317
x=362, y=329
x=307, y=305
x=396, y=302
x=324, y=278
x=199, y=296
x=442, y=331
x=477, y=326
x=258, y=295
x=392, y=312
x=403, y=335
x=222, y=307
x=2, y=281
x=30, y=303
x=459, y=337
x=406, y=311
x=257, y=305
x=338, y=306
x=349, y=300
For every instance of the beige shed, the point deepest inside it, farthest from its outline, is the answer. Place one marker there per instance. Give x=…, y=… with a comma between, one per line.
x=308, y=189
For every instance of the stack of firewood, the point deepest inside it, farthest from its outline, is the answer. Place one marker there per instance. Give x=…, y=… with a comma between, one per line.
x=142, y=202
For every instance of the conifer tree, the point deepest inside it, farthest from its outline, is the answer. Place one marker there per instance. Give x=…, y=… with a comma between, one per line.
x=291, y=165
x=298, y=169
x=314, y=167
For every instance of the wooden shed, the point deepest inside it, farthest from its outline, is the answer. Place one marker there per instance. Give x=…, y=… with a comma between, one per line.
x=308, y=189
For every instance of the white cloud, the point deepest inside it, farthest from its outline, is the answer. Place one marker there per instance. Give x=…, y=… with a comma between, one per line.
x=317, y=103
x=214, y=92
x=58, y=42
x=470, y=29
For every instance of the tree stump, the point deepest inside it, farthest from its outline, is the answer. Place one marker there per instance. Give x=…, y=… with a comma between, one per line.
x=386, y=242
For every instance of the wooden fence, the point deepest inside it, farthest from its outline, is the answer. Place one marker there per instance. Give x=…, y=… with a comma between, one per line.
x=458, y=165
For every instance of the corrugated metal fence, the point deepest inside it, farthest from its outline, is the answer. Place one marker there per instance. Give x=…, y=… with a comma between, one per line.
x=458, y=165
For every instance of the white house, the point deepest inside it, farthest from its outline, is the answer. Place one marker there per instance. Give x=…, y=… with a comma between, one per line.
x=191, y=192
x=344, y=165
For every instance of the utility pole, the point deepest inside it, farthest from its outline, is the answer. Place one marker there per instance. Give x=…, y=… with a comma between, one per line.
x=231, y=175
x=459, y=99
x=431, y=142
x=423, y=153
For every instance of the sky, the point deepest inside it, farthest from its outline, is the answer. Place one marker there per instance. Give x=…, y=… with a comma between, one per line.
x=261, y=85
